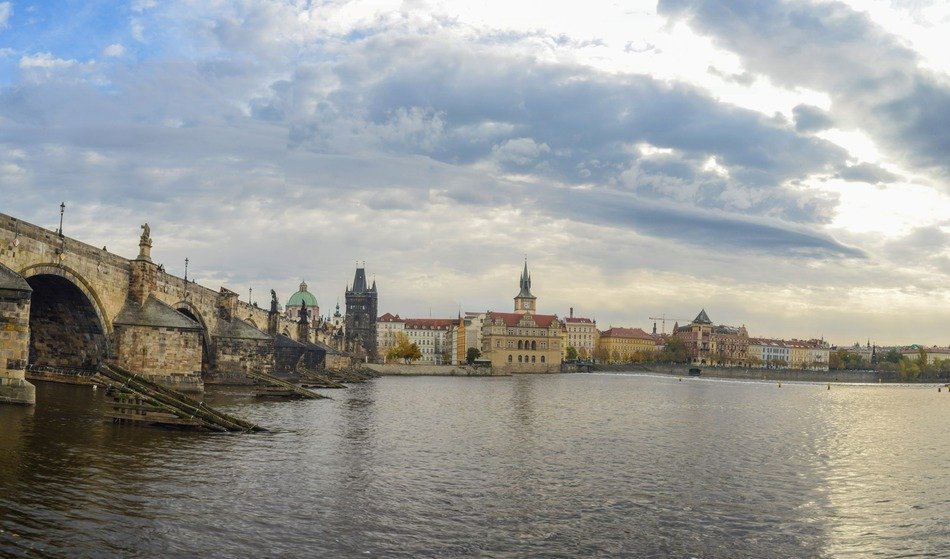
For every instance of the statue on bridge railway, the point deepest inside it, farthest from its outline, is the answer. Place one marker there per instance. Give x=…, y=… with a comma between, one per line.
x=273, y=301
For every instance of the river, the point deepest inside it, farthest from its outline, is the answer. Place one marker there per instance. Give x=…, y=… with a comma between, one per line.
x=575, y=465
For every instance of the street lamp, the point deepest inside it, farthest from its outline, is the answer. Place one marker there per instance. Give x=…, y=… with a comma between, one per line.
x=62, y=208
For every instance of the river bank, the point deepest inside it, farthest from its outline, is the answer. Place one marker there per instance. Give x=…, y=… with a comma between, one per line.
x=403, y=370
x=751, y=373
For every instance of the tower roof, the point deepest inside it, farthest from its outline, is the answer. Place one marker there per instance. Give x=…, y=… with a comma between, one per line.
x=702, y=318
x=301, y=297
x=525, y=283
x=359, y=281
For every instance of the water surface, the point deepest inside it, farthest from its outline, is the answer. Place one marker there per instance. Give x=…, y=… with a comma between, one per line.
x=553, y=466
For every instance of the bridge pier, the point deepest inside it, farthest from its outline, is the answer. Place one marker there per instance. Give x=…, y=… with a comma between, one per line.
x=14, y=338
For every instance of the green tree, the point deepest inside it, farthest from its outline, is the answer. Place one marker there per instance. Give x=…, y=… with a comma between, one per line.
x=404, y=349
x=674, y=351
x=571, y=353
x=471, y=354
x=893, y=356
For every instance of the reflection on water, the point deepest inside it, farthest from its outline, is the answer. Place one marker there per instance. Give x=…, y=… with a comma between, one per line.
x=559, y=466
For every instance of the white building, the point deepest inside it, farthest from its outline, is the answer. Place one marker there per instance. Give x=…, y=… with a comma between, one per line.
x=581, y=334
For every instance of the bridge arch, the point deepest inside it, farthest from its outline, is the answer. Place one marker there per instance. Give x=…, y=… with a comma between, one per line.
x=68, y=326
x=77, y=280
x=188, y=309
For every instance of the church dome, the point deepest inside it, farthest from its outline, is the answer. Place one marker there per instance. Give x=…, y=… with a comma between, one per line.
x=302, y=296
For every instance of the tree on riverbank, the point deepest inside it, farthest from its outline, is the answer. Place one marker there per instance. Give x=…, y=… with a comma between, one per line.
x=673, y=352
x=571, y=353
x=472, y=354
x=404, y=349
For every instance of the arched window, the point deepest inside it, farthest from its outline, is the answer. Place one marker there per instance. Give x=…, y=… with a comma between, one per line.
x=520, y=345
x=519, y=359
x=534, y=345
x=542, y=359
x=509, y=358
x=532, y=359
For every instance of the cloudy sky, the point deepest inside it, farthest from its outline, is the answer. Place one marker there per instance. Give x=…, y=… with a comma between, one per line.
x=784, y=165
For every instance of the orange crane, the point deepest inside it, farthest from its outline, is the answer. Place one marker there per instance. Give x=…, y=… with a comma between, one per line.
x=663, y=318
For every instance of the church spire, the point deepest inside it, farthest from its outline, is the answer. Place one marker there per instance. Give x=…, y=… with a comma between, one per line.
x=525, y=301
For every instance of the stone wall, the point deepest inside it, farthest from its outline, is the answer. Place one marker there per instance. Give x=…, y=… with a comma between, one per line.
x=391, y=369
x=168, y=355
x=14, y=348
x=239, y=356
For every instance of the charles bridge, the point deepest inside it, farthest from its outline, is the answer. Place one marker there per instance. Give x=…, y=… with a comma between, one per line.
x=68, y=306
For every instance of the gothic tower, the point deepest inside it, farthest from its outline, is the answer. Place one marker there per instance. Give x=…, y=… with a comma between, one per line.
x=525, y=302
x=361, y=309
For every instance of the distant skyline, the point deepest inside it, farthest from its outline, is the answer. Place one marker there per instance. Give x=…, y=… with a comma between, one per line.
x=784, y=165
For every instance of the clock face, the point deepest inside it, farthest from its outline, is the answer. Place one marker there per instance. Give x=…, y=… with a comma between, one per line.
x=527, y=304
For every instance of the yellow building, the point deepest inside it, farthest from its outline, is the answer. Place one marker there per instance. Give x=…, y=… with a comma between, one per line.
x=523, y=341
x=623, y=345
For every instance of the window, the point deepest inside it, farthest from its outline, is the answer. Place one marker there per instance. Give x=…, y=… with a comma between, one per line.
x=509, y=358
x=519, y=359
x=532, y=358
x=542, y=359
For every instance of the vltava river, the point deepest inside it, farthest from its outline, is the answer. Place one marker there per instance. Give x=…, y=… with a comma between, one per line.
x=554, y=466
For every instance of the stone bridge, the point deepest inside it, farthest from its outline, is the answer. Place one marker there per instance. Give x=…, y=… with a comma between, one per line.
x=66, y=305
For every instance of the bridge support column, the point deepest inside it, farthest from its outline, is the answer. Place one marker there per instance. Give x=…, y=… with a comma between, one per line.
x=15, y=295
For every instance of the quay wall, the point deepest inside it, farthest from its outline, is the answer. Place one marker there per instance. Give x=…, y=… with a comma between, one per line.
x=396, y=369
x=749, y=373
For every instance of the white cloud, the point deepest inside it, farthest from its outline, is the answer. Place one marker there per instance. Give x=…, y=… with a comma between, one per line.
x=6, y=12
x=114, y=50
x=44, y=60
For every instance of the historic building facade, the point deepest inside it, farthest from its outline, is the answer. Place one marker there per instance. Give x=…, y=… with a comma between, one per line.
x=709, y=344
x=523, y=341
x=581, y=334
x=360, y=320
x=431, y=336
x=623, y=345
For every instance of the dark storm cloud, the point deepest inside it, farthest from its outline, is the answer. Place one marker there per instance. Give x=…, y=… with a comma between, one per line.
x=584, y=123
x=876, y=83
x=867, y=172
x=811, y=119
x=704, y=227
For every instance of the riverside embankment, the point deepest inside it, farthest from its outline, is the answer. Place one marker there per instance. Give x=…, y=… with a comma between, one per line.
x=403, y=370
x=749, y=373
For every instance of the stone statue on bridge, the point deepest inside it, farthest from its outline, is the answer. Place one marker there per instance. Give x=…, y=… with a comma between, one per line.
x=273, y=301
x=145, y=244
x=303, y=312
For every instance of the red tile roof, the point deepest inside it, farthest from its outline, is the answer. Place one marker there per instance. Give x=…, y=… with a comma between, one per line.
x=388, y=317
x=430, y=323
x=617, y=332
x=579, y=320
x=514, y=319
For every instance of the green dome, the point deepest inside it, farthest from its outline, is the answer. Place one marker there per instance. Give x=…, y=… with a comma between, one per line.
x=302, y=296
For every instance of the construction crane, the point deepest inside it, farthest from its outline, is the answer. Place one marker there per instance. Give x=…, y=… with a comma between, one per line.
x=663, y=318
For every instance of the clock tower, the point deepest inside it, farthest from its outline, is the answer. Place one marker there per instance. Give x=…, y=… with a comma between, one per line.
x=525, y=302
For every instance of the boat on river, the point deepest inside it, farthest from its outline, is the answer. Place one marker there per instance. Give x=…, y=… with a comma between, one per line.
x=695, y=371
